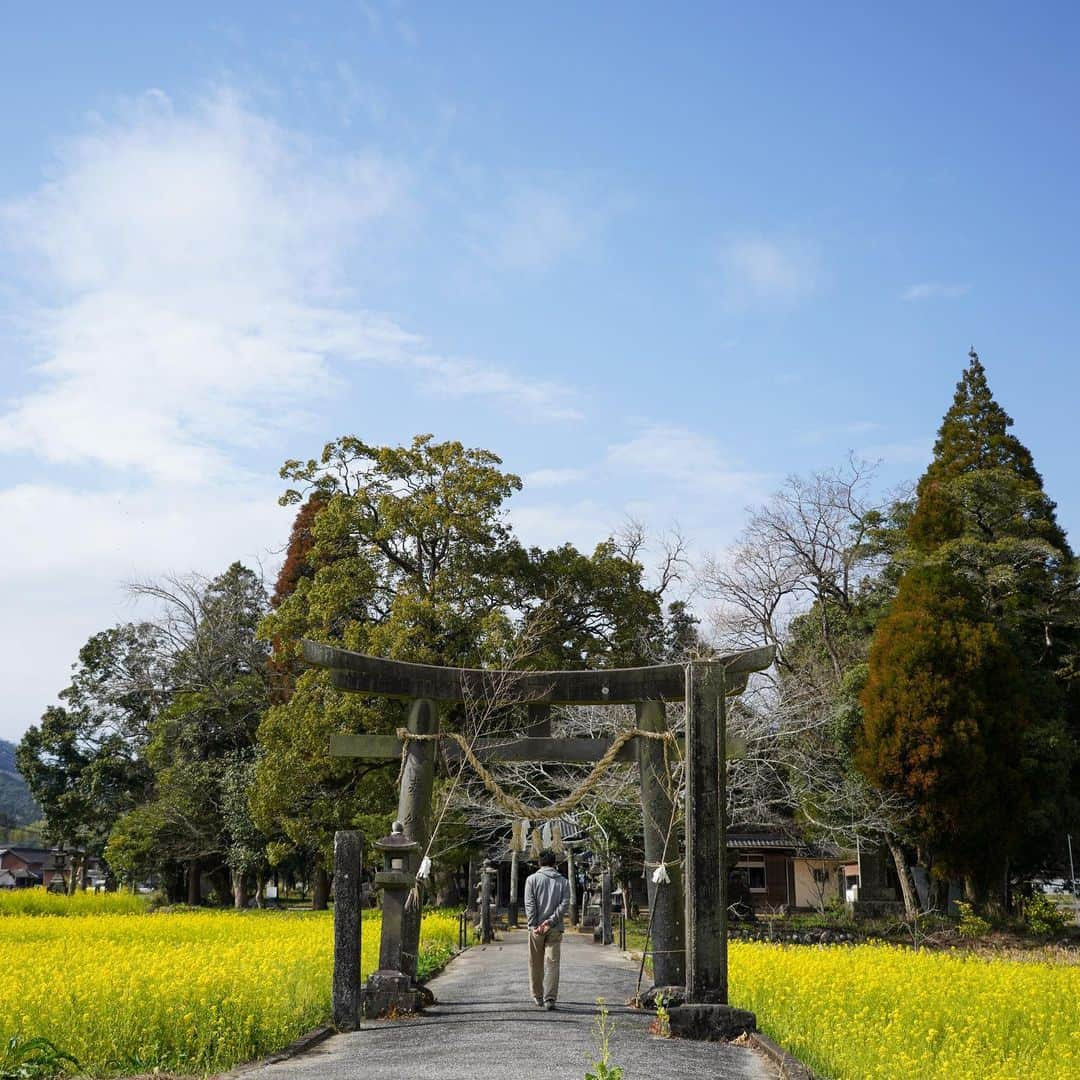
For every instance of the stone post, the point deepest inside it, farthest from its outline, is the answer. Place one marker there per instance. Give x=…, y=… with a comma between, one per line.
x=485, y=905
x=512, y=907
x=606, y=937
x=706, y=890
x=470, y=889
x=706, y=1014
x=572, y=879
x=348, y=854
x=666, y=914
x=414, y=812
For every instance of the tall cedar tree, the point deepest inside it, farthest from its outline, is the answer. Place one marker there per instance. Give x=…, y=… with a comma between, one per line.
x=945, y=710
x=983, y=517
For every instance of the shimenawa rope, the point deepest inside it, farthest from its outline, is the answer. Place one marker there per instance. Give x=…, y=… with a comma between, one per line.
x=514, y=805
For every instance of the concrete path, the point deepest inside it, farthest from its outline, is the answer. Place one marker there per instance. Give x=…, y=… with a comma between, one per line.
x=486, y=1026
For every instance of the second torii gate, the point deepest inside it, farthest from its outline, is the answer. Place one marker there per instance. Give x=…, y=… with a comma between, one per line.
x=694, y=956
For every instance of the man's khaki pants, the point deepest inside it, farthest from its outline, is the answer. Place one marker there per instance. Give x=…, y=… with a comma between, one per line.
x=544, y=950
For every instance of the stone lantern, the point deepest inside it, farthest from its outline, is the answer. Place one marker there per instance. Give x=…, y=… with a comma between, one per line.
x=389, y=988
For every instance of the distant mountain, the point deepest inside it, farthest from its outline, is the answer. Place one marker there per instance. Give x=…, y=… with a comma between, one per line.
x=17, y=806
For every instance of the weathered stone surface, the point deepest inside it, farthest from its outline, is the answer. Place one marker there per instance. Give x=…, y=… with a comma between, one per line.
x=666, y=901
x=414, y=812
x=395, y=678
x=672, y=995
x=706, y=904
x=710, y=1022
x=390, y=993
x=348, y=851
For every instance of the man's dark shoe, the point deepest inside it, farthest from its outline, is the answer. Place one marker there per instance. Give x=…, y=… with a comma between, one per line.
x=549, y=1004
x=539, y=1002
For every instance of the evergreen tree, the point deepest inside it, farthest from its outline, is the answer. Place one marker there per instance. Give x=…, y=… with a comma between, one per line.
x=945, y=710
x=983, y=520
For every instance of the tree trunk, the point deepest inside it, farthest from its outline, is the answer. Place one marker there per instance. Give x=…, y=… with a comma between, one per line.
x=84, y=871
x=239, y=890
x=194, y=884
x=996, y=892
x=260, y=885
x=974, y=891
x=320, y=889
x=907, y=886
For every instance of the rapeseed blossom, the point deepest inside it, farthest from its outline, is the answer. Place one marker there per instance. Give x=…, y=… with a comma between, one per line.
x=190, y=991
x=882, y=1011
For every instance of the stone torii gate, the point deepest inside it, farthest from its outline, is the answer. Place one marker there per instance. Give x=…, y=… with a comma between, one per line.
x=691, y=952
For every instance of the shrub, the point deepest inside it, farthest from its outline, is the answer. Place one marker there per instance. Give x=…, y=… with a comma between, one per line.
x=971, y=926
x=1043, y=916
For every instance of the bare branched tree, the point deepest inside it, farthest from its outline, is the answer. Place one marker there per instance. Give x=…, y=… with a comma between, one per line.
x=807, y=552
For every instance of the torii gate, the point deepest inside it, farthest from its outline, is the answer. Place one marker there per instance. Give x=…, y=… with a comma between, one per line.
x=695, y=957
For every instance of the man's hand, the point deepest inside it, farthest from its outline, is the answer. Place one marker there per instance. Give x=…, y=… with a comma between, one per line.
x=542, y=928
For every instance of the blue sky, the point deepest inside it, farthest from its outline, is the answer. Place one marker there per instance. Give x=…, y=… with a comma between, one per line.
x=657, y=258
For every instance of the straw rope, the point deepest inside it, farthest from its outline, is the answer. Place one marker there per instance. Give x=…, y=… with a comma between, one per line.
x=513, y=805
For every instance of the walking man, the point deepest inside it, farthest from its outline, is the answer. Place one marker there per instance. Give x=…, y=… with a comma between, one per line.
x=547, y=897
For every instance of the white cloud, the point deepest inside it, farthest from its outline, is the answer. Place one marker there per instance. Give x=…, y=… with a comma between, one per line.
x=553, y=478
x=760, y=270
x=462, y=378
x=684, y=459
x=537, y=225
x=194, y=269
x=936, y=290
x=69, y=554
x=182, y=289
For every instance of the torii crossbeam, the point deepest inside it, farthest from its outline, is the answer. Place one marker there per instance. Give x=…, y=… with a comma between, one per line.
x=703, y=685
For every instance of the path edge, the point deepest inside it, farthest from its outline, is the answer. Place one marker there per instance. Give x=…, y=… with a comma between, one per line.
x=791, y=1068
x=298, y=1046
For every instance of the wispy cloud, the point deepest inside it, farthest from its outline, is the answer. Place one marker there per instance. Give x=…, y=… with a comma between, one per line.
x=193, y=265
x=684, y=458
x=453, y=377
x=183, y=279
x=553, y=478
x=539, y=223
x=762, y=270
x=936, y=290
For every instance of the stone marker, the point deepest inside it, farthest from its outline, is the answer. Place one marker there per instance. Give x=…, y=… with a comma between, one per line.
x=348, y=858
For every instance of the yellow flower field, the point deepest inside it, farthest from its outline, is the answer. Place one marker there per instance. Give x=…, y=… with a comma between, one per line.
x=191, y=991
x=883, y=1011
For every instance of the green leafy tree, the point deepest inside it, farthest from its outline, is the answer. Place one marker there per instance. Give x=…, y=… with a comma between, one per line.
x=412, y=558
x=84, y=761
x=201, y=745
x=406, y=562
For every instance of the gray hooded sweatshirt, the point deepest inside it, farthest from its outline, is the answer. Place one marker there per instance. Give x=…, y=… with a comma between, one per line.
x=547, y=898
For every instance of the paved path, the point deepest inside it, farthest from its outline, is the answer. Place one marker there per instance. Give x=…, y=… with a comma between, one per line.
x=486, y=1026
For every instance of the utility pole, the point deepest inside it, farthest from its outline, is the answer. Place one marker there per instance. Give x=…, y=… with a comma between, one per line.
x=1072, y=878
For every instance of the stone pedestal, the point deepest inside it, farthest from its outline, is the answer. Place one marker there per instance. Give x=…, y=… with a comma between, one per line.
x=387, y=993
x=713, y=1022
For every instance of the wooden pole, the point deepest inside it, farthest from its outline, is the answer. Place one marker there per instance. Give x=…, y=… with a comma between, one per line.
x=348, y=854
x=706, y=892
x=414, y=812
x=666, y=902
